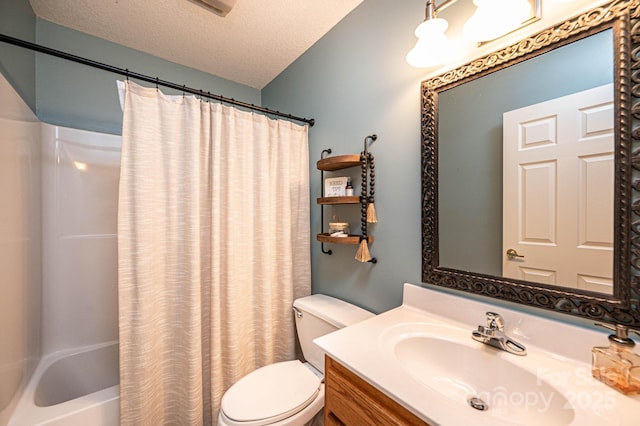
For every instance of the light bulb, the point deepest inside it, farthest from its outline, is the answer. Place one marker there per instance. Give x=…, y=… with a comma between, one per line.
x=495, y=18
x=433, y=47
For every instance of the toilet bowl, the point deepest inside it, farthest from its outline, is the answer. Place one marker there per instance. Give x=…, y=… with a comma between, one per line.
x=285, y=393
x=290, y=393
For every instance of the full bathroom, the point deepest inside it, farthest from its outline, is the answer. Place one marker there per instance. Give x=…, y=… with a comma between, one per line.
x=167, y=219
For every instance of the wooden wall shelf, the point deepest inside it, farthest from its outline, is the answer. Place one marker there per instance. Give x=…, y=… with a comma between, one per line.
x=355, y=199
x=338, y=162
x=351, y=239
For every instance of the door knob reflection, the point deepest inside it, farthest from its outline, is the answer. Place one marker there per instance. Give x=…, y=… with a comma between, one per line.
x=512, y=253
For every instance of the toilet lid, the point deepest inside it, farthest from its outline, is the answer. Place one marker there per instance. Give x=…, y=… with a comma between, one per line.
x=271, y=393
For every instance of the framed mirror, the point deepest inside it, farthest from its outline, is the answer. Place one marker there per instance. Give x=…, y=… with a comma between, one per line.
x=529, y=186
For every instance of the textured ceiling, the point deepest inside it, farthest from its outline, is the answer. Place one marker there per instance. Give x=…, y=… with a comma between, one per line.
x=251, y=45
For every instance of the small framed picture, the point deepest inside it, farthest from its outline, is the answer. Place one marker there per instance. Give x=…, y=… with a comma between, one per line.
x=335, y=186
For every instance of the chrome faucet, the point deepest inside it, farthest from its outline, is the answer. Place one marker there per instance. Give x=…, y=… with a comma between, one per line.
x=493, y=334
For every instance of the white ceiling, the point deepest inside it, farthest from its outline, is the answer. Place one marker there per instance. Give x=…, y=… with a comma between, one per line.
x=256, y=41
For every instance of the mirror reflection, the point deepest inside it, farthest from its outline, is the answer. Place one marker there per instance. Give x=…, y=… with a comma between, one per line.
x=526, y=169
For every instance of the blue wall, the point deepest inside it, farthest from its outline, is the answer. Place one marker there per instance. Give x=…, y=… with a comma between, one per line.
x=354, y=82
x=74, y=95
x=17, y=64
x=69, y=94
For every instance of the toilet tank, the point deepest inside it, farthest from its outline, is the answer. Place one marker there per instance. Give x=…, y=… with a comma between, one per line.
x=317, y=315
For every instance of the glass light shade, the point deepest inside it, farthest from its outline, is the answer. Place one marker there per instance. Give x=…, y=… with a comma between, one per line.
x=495, y=18
x=433, y=47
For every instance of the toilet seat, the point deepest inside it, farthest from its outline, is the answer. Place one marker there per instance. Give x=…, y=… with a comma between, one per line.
x=270, y=394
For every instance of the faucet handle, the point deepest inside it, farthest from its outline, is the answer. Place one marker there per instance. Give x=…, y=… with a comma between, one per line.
x=495, y=321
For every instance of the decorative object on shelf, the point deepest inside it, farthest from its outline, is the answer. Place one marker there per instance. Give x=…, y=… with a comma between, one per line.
x=336, y=186
x=349, y=188
x=339, y=231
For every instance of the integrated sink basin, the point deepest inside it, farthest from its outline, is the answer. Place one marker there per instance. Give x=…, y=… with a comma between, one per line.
x=474, y=376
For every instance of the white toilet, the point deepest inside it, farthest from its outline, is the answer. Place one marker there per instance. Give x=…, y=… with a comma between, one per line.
x=290, y=393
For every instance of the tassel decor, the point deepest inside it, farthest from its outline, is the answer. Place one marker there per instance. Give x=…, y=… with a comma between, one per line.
x=371, y=214
x=367, y=208
x=363, y=254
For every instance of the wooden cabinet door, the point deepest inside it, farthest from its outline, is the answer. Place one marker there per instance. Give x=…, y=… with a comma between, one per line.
x=351, y=401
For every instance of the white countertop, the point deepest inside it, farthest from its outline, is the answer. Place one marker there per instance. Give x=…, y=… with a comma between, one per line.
x=557, y=352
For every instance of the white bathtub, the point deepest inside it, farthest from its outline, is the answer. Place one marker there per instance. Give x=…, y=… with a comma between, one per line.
x=73, y=388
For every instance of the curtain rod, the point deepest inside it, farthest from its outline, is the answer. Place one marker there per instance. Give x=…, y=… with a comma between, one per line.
x=130, y=74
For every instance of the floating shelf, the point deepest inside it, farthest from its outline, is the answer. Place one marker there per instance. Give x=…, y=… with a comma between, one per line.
x=355, y=199
x=351, y=239
x=338, y=162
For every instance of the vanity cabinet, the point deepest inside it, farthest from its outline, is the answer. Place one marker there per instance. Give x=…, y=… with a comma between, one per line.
x=351, y=401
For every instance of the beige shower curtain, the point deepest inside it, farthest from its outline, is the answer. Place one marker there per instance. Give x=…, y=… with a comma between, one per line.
x=213, y=247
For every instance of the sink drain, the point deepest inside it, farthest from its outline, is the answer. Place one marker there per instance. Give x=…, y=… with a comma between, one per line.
x=478, y=404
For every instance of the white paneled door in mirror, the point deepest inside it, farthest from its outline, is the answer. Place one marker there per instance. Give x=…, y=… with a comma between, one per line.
x=558, y=189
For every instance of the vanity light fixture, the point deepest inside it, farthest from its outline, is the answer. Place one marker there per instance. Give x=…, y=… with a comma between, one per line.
x=495, y=18
x=492, y=19
x=433, y=46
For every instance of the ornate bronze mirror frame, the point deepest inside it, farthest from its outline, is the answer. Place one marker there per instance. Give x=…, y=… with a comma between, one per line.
x=623, y=307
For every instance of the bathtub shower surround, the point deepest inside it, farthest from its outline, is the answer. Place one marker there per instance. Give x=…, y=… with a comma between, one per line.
x=213, y=235
x=76, y=381
x=58, y=312
x=75, y=387
x=80, y=199
x=20, y=246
